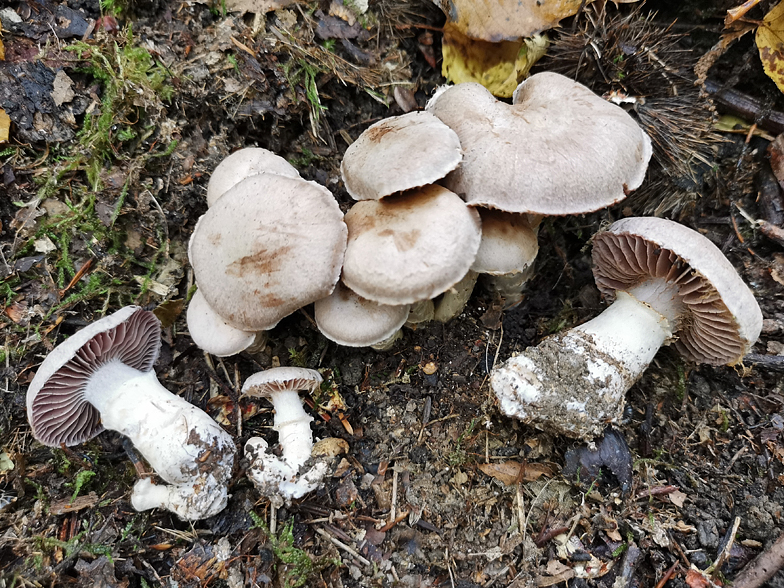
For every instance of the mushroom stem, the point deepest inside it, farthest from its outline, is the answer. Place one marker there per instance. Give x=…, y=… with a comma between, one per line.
x=182, y=443
x=293, y=426
x=581, y=376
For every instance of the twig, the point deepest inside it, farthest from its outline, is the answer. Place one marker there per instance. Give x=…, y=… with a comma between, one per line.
x=763, y=568
x=746, y=107
x=774, y=363
x=394, y=495
x=724, y=555
x=667, y=575
x=343, y=546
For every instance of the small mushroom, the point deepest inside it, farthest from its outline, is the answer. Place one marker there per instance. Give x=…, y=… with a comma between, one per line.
x=270, y=245
x=348, y=319
x=506, y=254
x=282, y=479
x=211, y=333
x=399, y=153
x=243, y=164
x=102, y=378
x=409, y=247
x=668, y=284
x=558, y=149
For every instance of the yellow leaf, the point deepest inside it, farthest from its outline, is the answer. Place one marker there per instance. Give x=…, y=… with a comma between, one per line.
x=770, y=43
x=5, y=126
x=499, y=67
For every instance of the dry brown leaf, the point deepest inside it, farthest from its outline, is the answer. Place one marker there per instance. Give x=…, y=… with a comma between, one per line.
x=507, y=20
x=512, y=472
x=770, y=43
x=677, y=498
x=59, y=507
x=5, y=126
x=256, y=6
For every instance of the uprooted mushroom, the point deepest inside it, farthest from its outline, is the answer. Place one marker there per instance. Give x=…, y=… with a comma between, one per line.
x=102, y=377
x=668, y=284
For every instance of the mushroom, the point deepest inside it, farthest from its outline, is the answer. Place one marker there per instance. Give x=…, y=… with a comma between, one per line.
x=452, y=302
x=348, y=319
x=668, y=284
x=102, y=378
x=558, y=149
x=409, y=247
x=282, y=479
x=211, y=333
x=269, y=246
x=244, y=164
x=399, y=153
x=507, y=253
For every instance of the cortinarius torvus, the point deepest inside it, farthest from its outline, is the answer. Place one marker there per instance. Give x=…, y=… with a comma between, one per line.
x=102, y=378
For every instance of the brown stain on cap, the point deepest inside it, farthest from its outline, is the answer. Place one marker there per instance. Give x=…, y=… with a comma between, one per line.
x=262, y=262
x=404, y=240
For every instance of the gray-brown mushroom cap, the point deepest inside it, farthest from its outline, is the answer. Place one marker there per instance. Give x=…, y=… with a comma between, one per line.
x=268, y=247
x=56, y=406
x=724, y=320
x=559, y=149
x=399, y=153
x=281, y=379
x=410, y=247
x=243, y=164
x=348, y=319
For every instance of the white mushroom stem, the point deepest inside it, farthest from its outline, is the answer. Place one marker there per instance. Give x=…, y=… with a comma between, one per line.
x=279, y=478
x=182, y=443
x=574, y=382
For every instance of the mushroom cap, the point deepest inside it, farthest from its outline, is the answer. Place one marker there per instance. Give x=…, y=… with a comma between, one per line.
x=348, y=319
x=509, y=244
x=724, y=319
x=559, y=149
x=399, y=153
x=56, y=407
x=268, y=247
x=243, y=164
x=211, y=333
x=281, y=379
x=411, y=247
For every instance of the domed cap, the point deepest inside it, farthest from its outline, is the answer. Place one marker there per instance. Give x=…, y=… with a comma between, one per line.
x=724, y=320
x=559, y=149
x=509, y=244
x=56, y=406
x=281, y=379
x=348, y=319
x=243, y=164
x=399, y=153
x=268, y=247
x=211, y=333
x=411, y=247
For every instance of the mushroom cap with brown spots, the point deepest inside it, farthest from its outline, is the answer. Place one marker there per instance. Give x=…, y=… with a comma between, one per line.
x=399, y=153
x=723, y=321
x=410, y=247
x=559, y=149
x=268, y=247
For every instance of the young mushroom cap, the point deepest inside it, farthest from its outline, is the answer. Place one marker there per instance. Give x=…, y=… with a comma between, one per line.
x=410, y=247
x=509, y=245
x=281, y=379
x=211, y=333
x=399, y=153
x=57, y=407
x=268, y=247
x=719, y=319
x=348, y=319
x=559, y=149
x=243, y=164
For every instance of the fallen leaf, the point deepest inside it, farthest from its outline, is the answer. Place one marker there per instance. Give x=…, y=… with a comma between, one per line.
x=695, y=579
x=62, y=88
x=255, y=6
x=499, y=67
x=505, y=20
x=5, y=126
x=59, y=507
x=6, y=465
x=770, y=43
x=329, y=447
x=585, y=464
x=98, y=574
x=168, y=312
x=677, y=498
x=512, y=472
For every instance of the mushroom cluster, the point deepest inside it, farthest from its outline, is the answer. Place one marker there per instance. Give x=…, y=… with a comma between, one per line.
x=668, y=285
x=102, y=378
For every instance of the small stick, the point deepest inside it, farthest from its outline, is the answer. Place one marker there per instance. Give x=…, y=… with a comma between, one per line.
x=343, y=546
x=394, y=494
x=763, y=568
x=667, y=575
x=725, y=552
x=273, y=526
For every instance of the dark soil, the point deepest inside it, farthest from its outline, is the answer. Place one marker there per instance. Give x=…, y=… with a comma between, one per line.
x=707, y=444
